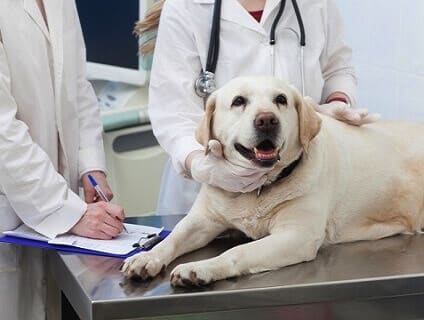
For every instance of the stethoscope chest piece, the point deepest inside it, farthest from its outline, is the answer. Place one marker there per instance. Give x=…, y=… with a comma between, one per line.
x=205, y=84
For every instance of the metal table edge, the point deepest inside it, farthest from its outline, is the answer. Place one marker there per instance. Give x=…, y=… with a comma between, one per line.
x=214, y=301
x=73, y=290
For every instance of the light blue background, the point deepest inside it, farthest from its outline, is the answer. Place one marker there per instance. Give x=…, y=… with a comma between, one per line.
x=388, y=48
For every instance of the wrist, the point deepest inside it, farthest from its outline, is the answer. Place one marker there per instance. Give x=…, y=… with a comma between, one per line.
x=338, y=99
x=91, y=171
x=189, y=161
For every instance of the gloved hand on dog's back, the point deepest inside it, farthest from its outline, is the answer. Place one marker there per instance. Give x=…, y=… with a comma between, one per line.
x=215, y=170
x=344, y=112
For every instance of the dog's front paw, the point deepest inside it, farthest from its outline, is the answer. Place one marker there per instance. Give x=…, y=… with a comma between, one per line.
x=192, y=274
x=143, y=265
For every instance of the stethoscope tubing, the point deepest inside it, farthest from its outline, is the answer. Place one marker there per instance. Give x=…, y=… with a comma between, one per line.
x=275, y=22
x=213, y=50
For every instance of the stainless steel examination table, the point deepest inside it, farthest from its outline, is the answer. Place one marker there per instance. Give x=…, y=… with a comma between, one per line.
x=381, y=279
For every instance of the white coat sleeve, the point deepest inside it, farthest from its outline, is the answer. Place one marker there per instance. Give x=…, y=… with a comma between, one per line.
x=336, y=59
x=37, y=193
x=174, y=108
x=91, y=151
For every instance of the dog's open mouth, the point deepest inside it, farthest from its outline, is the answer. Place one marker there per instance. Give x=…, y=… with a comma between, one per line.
x=265, y=153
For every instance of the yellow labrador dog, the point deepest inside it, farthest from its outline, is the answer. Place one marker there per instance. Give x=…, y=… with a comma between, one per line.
x=328, y=182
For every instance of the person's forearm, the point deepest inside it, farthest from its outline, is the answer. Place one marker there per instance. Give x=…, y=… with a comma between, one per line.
x=336, y=58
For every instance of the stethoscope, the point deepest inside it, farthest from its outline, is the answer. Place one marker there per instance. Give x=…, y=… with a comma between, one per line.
x=205, y=84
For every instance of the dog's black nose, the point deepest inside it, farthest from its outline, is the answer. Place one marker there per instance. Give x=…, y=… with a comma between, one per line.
x=266, y=121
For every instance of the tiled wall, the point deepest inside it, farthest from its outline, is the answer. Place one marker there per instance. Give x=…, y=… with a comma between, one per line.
x=388, y=48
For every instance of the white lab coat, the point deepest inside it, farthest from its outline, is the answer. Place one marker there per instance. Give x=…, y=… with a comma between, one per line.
x=181, y=52
x=49, y=121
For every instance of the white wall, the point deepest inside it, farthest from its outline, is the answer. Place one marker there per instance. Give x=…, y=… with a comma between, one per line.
x=388, y=48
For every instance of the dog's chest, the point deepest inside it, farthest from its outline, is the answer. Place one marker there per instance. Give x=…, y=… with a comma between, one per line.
x=246, y=214
x=251, y=226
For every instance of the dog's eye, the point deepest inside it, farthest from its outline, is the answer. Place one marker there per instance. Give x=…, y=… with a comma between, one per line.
x=280, y=99
x=239, y=101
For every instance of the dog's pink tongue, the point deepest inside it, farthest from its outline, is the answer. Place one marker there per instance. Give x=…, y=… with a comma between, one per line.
x=265, y=155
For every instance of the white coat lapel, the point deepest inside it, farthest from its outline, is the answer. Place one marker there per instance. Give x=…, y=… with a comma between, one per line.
x=55, y=18
x=270, y=6
x=31, y=8
x=287, y=21
x=233, y=11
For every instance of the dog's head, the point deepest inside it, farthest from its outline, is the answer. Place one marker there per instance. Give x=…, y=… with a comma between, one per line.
x=257, y=120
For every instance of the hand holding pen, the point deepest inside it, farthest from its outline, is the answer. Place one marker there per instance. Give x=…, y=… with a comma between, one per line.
x=100, y=193
x=90, y=194
x=101, y=220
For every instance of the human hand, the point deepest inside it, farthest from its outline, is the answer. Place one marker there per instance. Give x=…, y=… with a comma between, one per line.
x=343, y=112
x=90, y=193
x=101, y=221
x=214, y=170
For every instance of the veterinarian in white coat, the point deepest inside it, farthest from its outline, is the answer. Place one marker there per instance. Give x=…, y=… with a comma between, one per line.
x=50, y=138
x=181, y=53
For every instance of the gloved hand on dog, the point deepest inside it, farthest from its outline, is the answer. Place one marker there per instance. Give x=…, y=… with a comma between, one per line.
x=343, y=112
x=215, y=170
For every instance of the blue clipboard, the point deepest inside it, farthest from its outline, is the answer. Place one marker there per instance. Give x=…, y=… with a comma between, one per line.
x=45, y=245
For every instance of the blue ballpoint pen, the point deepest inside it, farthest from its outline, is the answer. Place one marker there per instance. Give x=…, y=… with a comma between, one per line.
x=100, y=192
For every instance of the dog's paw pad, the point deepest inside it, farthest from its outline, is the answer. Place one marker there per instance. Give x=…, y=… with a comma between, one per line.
x=187, y=275
x=142, y=266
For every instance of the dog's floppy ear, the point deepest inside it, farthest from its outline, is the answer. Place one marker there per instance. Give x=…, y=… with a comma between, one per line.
x=309, y=121
x=204, y=130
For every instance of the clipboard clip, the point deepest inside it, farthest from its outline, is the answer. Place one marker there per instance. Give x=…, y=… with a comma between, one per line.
x=152, y=239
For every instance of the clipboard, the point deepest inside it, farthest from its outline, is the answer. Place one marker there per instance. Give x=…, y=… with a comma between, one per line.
x=70, y=249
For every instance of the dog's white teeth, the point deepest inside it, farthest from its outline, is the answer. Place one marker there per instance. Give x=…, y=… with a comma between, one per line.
x=265, y=155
